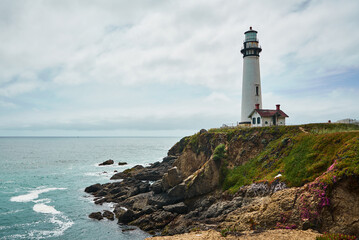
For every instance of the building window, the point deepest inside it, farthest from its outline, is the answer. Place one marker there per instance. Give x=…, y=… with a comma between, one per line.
x=254, y=120
x=266, y=122
x=258, y=120
x=257, y=90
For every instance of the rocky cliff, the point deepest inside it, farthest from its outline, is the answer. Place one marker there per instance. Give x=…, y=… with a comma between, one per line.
x=242, y=179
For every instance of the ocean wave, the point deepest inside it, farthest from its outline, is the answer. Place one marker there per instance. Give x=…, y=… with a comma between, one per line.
x=15, y=236
x=20, y=225
x=43, y=208
x=62, y=222
x=11, y=212
x=109, y=205
x=32, y=195
x=42, y=200
x=92, y=174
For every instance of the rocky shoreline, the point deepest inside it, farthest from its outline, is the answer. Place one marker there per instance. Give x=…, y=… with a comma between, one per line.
x=182, y=194
x=153, y=206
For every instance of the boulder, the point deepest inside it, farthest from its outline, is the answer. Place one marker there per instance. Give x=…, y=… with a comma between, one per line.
x=122, y=163
x=127, y=173
x=169, y=158
x=203, y=181
x=107, y=162
x=277, y=186
x=100, y=201
x=223, y=207
x=93, y=188
x=258, y=190
x=178, y=192
x=203, y=131
x=144, y=187
x=141, y=173
x=117, y=190
x=156, y=187
x=146, y=210
x=109, y=215
x=101, y=193
x=119, y=175
x=124, y=216
x=160, y=200
x=96, y=215
x=180, y=208
x=204, y=202
x=148, y=174
x=171, y=178
x=138, y=202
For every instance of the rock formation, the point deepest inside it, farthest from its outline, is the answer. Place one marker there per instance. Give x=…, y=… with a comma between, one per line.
x=196, y=186
x=107, y=162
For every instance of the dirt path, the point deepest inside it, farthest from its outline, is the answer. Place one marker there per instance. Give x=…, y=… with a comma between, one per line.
x=279, y=234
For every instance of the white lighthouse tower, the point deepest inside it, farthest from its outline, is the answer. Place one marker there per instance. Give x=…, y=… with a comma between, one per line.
x=251, y=85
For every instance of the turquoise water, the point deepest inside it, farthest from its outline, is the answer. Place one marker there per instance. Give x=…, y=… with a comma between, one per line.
x=42, y=183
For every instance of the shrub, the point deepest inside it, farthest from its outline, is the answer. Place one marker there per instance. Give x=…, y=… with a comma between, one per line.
x=219, y=152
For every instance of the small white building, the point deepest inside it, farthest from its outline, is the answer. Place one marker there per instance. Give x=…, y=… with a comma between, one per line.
x=267, y=117
x=349, y=121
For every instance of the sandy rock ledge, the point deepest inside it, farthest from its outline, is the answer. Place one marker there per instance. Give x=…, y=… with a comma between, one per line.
x=280, y=234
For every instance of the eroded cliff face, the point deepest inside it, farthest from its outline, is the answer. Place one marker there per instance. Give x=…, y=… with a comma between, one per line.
x=342, y=215
x=188, y=190
x=195, y=164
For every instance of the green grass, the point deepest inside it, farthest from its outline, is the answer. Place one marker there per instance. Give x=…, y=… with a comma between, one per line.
x=219, y=152
x=300, y=159
x=299, y=156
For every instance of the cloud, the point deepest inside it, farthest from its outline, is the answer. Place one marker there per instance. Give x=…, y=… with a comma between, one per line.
x=63, y=62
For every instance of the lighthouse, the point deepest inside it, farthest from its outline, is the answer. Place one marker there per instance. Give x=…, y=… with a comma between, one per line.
x=251, y=85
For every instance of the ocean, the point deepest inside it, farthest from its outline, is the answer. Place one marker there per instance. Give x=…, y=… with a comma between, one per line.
x=42, y=182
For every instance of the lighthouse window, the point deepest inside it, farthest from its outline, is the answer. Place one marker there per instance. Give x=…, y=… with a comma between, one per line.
x=258, y=120
x=254, y=120
x=251, y=36
x=257, y=91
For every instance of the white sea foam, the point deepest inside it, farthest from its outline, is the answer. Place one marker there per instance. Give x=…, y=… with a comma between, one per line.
x=42, y=200
x=32, y=195
x=20, y=225
x=124, y=208
x=62, y=222
x=15, y=236
x=43, y=208
x=11, y=212
x=109, y=205
x=91, y=174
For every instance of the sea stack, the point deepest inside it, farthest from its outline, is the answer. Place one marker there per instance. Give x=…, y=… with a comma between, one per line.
x=251, y=85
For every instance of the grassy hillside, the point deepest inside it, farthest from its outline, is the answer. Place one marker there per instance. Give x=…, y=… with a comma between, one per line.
x=300, y=154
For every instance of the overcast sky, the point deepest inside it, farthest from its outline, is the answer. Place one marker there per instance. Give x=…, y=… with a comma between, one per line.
x=152, y=67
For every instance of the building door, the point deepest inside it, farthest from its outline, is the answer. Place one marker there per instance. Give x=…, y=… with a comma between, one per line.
x=274, y=120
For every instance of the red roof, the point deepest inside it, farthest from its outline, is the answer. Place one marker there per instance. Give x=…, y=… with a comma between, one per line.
x=269, y=113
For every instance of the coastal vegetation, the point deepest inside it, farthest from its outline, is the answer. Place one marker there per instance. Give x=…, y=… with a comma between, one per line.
x=245, y=179
x=298, y=154
x=300, y=159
